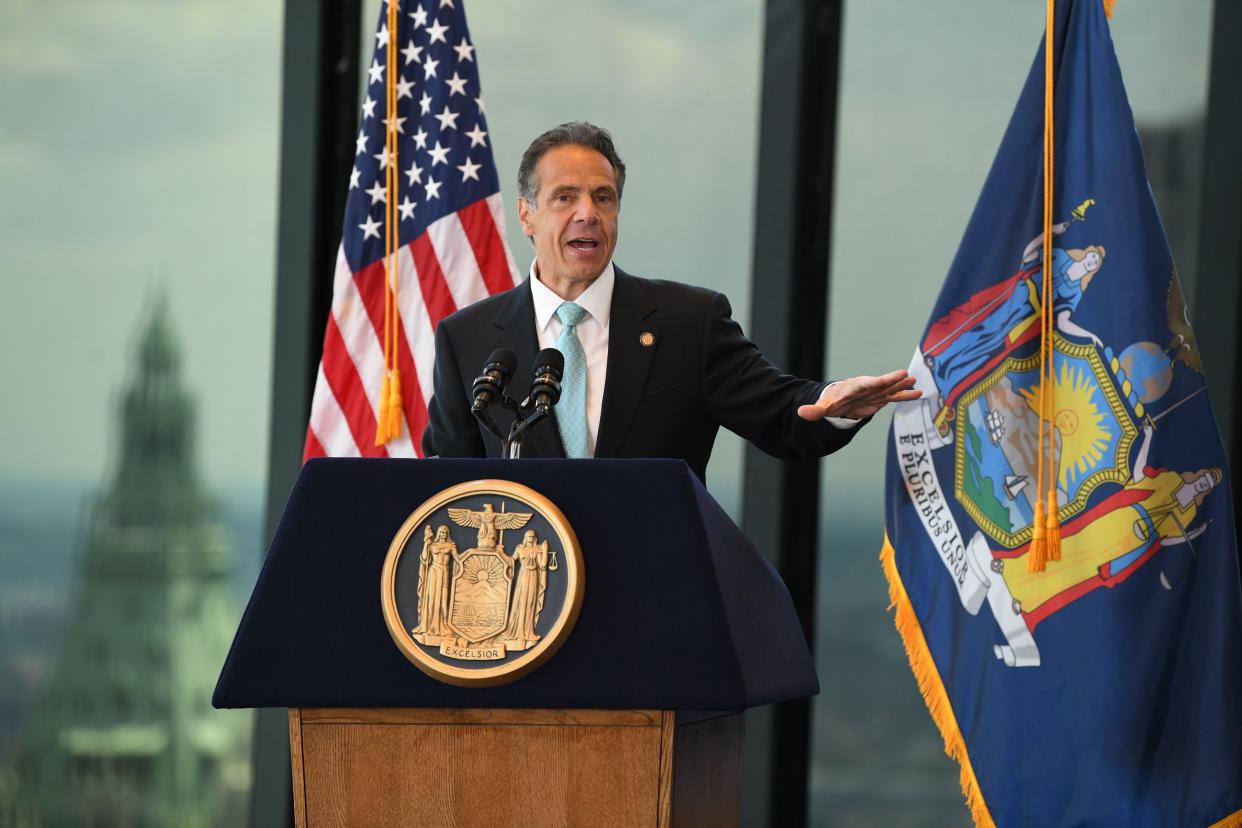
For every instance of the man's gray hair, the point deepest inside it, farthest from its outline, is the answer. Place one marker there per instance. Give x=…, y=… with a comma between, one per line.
x=574, y=133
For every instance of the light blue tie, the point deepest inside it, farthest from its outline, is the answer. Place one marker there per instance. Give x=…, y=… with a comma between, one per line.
x=571, y=413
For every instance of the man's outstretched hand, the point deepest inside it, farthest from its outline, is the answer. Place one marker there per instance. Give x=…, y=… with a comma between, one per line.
x=859, y=397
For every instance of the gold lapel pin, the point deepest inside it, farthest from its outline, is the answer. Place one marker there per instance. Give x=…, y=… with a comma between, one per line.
x=647, y=338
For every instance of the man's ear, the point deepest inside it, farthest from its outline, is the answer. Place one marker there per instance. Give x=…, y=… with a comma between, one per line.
x=524, y=211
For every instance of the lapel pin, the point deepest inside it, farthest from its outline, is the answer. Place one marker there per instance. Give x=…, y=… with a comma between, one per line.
x=647, y=339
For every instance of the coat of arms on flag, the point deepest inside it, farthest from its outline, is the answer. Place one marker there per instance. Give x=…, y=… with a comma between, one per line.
x=1060, y=537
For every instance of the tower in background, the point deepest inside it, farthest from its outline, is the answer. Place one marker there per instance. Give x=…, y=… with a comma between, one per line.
x=125, y=733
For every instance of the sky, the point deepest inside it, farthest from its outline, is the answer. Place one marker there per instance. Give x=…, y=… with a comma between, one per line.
x=138, y=149
x=139, y=152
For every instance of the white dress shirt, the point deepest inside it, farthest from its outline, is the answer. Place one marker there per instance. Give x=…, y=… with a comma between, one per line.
x=596, y=300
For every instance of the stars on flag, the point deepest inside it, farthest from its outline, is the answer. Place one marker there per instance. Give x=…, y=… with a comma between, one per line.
x=469, y=170
x=414, y=173
x=370, y=228
x=439, y=121
x=439, y=154
x=447, y=119
x=437, y=33
x=456, y=85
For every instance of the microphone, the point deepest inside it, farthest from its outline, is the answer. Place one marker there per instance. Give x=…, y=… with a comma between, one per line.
x=545, y=390
x=489, y=386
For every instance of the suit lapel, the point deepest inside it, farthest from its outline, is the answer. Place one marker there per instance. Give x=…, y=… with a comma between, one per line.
x=515, y=323
x=629, y=361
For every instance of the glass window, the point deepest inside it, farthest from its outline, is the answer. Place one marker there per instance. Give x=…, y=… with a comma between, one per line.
x=138, y=161
x=926, y=92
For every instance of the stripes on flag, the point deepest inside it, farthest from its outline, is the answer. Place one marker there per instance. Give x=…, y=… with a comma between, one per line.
x=346, y=397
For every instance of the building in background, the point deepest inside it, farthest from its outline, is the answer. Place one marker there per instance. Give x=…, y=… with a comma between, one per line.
x=125, y=733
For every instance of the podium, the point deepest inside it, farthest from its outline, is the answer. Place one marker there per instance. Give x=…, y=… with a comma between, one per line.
x=635, y=720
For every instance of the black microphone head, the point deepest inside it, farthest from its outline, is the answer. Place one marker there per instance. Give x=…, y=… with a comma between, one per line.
x=490, y=385
x=550, y=359
x=505, y=359
x=545, y=391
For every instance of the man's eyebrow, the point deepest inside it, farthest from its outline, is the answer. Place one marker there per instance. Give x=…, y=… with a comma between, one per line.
x=565, y=188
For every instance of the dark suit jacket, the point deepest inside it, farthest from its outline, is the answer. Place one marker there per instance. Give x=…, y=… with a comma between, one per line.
x=663, y=400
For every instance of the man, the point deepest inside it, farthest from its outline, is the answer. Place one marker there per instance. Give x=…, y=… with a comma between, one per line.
x=652, y=368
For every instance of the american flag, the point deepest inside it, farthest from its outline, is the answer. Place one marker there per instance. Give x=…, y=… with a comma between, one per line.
x=451, y=248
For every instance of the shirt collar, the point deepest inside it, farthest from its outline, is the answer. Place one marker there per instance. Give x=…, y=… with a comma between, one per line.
x=595, y=300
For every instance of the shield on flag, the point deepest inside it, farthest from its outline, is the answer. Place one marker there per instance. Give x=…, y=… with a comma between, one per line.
x=997, y=443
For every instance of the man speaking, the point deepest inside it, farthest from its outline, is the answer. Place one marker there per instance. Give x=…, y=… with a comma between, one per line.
x=652, y=368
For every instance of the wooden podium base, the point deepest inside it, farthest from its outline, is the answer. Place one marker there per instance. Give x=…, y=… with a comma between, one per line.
x=490, y=767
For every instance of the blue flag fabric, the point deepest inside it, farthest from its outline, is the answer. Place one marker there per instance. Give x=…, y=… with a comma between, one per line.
x=1106, y=689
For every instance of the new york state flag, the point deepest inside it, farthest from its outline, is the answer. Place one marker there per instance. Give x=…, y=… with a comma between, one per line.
x=1105, y=689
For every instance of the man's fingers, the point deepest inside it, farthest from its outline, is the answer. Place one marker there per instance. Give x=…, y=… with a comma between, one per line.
x=864, y=386
x=893, y=376
x=900, y=390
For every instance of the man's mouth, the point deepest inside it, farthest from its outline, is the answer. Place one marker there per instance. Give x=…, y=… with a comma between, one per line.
x=584, y=245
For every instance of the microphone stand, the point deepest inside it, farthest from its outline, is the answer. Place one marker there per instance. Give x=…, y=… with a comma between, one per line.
x=485, y=419
x=530, y=414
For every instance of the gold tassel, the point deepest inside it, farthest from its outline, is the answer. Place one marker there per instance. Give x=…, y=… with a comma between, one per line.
x=1054, y=527
x=1108, y=7
x=1037, y=557
x=396, y=405
x=381, y=419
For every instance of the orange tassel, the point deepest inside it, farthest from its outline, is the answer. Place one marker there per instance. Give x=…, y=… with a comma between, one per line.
x=395, y=405
x=1037, y=558
x=381, y=419
x=1108, y=7
x=1053, y=533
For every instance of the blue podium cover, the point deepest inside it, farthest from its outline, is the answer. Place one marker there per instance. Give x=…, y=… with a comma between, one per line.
x=680, y=610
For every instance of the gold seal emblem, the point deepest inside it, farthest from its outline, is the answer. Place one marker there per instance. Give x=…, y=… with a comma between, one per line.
x=647, y=339
x=463, y=608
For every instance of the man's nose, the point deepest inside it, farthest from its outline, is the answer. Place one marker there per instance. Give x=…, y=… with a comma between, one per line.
x=584, y=210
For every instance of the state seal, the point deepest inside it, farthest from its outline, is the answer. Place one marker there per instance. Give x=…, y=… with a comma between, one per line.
x=469, y=607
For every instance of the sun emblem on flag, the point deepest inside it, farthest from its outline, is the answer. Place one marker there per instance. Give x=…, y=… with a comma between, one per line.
x=1079, y=426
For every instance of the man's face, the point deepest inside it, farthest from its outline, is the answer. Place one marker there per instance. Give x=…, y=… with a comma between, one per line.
x=1204, y=483
x=574, y=225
